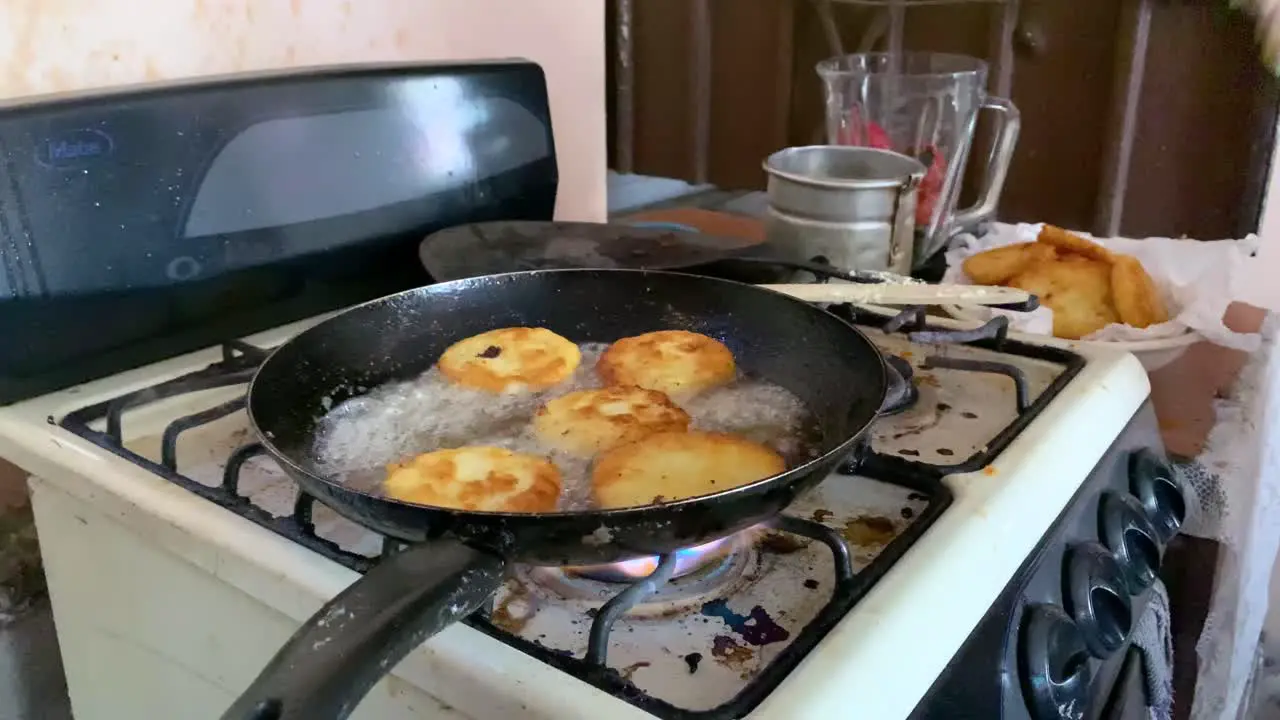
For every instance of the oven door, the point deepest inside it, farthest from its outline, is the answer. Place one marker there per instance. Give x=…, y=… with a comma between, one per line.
x=1128, y=699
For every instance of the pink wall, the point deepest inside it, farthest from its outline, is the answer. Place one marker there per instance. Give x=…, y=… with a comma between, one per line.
x=1261, y=287
x=59, y=45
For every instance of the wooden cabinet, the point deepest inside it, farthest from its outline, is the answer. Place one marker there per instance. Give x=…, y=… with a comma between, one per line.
x=1144, y=117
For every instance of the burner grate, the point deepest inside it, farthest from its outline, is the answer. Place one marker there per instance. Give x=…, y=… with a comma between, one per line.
x=993, y=335
x=849, y=589
x=237, y=367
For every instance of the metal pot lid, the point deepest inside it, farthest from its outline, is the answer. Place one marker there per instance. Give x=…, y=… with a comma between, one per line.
x=512, y=246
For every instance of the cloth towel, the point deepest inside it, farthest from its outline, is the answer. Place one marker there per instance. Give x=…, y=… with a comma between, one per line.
x=1154, y=638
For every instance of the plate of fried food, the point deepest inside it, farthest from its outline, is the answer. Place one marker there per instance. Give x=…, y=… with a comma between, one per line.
x=1086, y=287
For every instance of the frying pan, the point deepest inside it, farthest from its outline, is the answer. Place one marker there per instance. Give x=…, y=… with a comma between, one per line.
x=493, y=248
x=505, y=246
x=456, y=559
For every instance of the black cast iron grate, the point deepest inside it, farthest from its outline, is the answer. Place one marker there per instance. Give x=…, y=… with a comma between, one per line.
x=240, y=360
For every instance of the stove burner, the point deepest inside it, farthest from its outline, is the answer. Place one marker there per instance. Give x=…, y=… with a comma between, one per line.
x=687, y=561
x=902, y=392
x=718, y=570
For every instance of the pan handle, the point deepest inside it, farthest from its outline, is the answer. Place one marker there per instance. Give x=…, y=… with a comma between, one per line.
x=332, y=661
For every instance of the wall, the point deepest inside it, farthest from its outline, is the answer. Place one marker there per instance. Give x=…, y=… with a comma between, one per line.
x=65, y=45
x=60, y=45
x=1261, y=289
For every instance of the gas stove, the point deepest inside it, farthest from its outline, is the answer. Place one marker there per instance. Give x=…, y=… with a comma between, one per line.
x=983, y=554
x=893, y=560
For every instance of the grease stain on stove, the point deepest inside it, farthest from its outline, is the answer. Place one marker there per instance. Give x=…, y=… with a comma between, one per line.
x=733, y=655
x=756, y=628
x=867, y=531
x=821, y=514
x=811, y=584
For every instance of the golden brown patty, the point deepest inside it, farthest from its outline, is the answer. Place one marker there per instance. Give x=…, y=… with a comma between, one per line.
x=488, y=479
x=998, y=265
x=1137, y=300
x=510, y=360
x=589, y=421
x=1069, y=242
x=676, y=362
x=1077, y=289
x=666, y=467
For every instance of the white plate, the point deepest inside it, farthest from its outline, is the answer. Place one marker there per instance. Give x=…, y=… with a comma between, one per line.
x=1153, y=354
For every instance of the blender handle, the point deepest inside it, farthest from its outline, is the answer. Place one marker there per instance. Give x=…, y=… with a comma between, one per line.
x=997, y=166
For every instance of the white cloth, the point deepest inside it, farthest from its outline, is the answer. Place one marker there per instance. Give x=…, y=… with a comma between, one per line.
x=1240, y=511
x=1154, y=638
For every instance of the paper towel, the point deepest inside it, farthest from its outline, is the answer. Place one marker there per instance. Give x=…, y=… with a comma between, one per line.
x=1197, y=279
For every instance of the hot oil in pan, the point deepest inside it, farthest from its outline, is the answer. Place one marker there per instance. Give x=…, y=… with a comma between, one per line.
x=357, y=439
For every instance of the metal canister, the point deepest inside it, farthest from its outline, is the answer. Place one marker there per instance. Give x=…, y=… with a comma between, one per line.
x=851, y=206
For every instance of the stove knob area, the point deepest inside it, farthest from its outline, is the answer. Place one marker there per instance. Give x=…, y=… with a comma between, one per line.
x=1131, y=537
x=1098, y=598
x=1153, y=481
x=1054, y=664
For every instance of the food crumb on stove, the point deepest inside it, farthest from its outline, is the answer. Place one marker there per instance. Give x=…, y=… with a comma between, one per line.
x=946, y=452
x=908, y=513
x=781, y=544
x=943, y=407
x=490, y=352
x=692, y=660
x=631, y=669
x=909, y=452
x=926, y=379
x=968, y=415
x=821, y=515
x=989, y=470
x=811, y=584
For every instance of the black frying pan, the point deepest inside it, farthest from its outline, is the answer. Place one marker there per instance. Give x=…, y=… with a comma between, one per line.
x=493, y=248
x=457, y=559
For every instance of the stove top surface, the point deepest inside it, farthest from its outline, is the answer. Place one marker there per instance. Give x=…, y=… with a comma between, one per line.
x=727, y=637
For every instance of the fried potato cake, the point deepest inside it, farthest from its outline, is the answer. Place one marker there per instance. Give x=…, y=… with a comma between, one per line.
x=1077, y=289
x=999, y=265
x=478, y=478
x=1136, y=298
x=676, y=362
x=590, y=421
x=1068, y=242
x=510, y=360
x=666, y=467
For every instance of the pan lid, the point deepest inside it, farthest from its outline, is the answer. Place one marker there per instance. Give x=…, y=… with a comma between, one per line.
x=500, y=247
